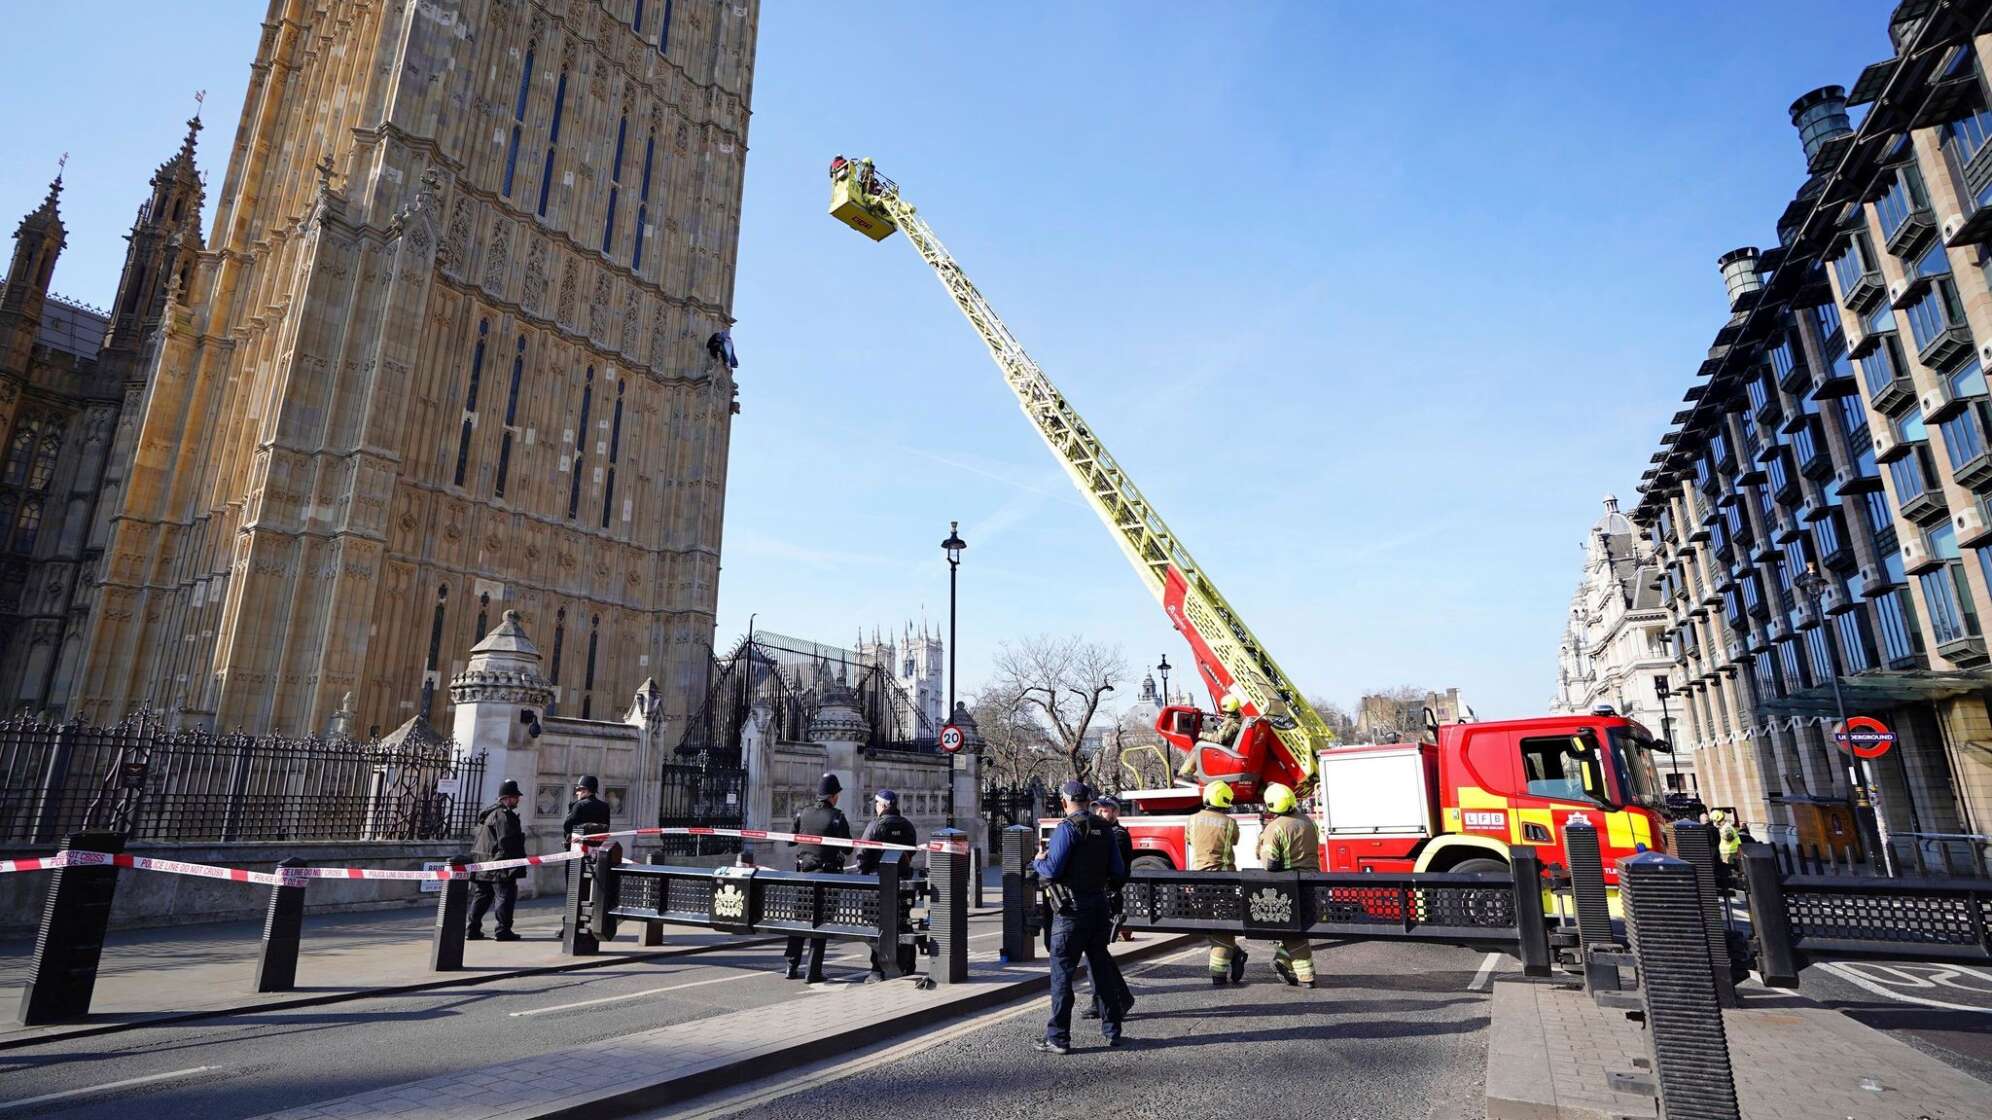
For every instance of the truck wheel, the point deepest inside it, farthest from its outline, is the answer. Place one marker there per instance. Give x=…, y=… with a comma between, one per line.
x=1491, y=907
x=1151, y=863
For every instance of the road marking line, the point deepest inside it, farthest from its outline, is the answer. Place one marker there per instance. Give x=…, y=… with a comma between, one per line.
x=1486, y=972
x=1855, y=978
x=635, y=995
x=893, y=1053
x=125, y=1084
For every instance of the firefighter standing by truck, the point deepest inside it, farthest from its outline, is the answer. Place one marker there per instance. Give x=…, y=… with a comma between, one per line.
x=1289, y=843
x=1213, y=842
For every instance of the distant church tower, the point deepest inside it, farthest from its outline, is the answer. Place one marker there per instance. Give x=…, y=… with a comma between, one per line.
x=914, y=661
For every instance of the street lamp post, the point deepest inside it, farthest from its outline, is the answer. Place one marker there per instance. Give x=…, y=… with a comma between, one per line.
x=953, y=546
x=1813, y=586
x=1163, y=669
x=1663, y=690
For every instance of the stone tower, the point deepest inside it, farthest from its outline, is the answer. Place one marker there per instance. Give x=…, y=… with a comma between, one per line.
x=447, y=351
x=913, y=660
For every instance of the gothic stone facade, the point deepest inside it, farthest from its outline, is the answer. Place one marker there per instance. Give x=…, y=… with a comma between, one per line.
x=447, y=356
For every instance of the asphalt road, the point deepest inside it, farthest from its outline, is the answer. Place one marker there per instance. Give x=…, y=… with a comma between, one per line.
x=1398, y=1033
x=246, y=1065
x=1944, y=1010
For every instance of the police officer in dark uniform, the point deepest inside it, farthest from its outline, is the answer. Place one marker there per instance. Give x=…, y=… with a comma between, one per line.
x=588, y=813
x=890, y=828
x=820, y=819
x=1077, y=868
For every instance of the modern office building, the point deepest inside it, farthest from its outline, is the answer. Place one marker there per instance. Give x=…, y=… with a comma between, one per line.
x=1840, y=425
x=1615, y=653
x=457, y=343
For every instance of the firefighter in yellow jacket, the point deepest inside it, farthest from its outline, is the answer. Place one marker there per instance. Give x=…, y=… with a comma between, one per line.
x=1289, y=843
x=1213, y=841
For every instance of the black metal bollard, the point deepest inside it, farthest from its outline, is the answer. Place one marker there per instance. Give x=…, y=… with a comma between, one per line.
x=1530, y=924
x=951, y=873
x=892, y=914
x=276, y=966
x=602, y=893
x=1677, y=988
x=1770, y=924
x=75, y=913
x=452, y=909
x=1019, y=844
x=976, y=860
x=1594, y=914
x=653, y=932
x=1695, y=844
x=576, y=939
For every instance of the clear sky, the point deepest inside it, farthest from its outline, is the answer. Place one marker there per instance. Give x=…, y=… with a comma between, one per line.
x=1374, y=301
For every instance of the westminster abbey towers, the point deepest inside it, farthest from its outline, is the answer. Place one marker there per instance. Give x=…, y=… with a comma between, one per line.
x=448, y=350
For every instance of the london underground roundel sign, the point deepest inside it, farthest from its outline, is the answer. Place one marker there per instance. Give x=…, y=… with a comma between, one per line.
x=951, y=739
x=1865, y=736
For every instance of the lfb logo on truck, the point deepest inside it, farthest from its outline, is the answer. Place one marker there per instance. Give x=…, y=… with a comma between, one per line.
x=1492, y=820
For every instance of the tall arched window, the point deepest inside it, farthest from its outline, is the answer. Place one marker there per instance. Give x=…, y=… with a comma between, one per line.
x=636, y=20
x=552, y=141
x=20, y=452
x=28, y=527
x=518, y=122
x=511, y=419
x=580, y=444
x=615, y=446
x=44, y=466
x=435, y=639
x=643, y=204
x=664, y=31
x=559, y=641
x=588, y=677
x=615, y=187
x=483, y=614
x=470, y=401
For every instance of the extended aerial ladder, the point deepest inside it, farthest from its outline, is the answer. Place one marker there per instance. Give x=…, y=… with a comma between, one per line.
x=1228, y=657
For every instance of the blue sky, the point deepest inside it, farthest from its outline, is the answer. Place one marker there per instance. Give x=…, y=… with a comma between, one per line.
x=1375, y=305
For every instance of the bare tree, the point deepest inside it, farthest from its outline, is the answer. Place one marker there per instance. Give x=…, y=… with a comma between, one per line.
x=1398, y=712
x=1014, y=745
x=1061, y=683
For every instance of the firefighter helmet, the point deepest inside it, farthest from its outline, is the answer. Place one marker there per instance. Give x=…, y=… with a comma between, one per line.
x=1280, y=799
x=1217, y=795
x=1717, y=817
x=1230, y=703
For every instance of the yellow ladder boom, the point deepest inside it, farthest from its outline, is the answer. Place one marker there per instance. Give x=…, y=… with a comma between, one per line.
x=1229, y=657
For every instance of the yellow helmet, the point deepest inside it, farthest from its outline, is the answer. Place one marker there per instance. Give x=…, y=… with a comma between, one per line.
x=1280, y=799
x=1217, y=795
x=1717, y=817
x=1230, y=703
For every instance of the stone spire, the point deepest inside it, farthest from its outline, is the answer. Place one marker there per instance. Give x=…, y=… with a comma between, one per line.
x=38, y=240
x=163, y=247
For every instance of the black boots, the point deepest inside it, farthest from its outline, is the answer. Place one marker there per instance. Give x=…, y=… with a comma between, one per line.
x=793, y=971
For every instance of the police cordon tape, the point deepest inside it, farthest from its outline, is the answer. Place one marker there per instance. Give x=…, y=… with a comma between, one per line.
x=289, y=875
x=956, y=847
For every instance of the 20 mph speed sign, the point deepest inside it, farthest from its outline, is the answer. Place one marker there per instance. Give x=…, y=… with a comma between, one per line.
x=952, y=739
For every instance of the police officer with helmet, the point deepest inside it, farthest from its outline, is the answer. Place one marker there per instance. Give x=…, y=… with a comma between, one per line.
x=1078, y=867
x=820, y=819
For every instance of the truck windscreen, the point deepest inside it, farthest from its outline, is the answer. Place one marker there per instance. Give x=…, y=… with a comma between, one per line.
x=1632, y=763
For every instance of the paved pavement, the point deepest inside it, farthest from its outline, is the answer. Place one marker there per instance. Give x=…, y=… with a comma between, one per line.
x=247, y=1064
x=1398, y=1033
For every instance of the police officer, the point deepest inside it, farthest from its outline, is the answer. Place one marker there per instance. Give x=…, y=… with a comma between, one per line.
x=1077, y=867
x=1289, y=843
x=1107, y=808
x=888, y=827
x=820, y=819
x=1213, y=840
x=588, y=813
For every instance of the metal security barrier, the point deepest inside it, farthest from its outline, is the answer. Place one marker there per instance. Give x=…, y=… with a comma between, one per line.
x=752, y=900
x=1798, y=919
x=1493, y=911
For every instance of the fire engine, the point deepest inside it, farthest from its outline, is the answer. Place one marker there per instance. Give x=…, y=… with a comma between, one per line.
x=1454, y=802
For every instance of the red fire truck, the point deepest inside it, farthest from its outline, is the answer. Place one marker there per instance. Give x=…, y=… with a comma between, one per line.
x=1454, y=802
